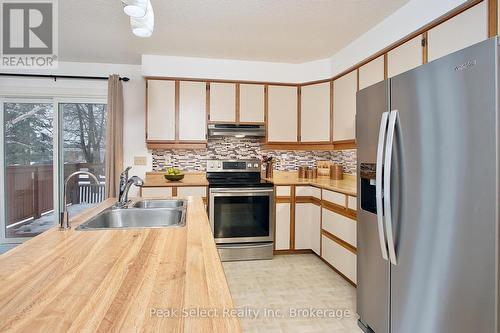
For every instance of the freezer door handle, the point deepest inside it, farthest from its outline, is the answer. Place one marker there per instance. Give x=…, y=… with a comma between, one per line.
x=393, y=118
x=378, y=183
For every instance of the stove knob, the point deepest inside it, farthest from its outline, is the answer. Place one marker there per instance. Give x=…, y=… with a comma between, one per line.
x=249, y=165
x=256, y=165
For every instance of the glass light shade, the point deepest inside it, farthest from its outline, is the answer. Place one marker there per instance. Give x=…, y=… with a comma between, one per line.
x=135, y=8
x=143, y=27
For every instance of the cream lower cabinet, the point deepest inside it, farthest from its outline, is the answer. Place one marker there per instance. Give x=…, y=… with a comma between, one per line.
x=339, y=225
x=156, y=192
x=339, y=257
x=197, y=191
x=315, y=229
x=282, y=226
x=307, y=227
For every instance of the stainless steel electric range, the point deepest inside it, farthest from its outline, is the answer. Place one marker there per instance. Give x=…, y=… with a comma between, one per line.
x=241, y=209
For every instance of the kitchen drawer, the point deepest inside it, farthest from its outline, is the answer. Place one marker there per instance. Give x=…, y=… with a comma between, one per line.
x=340, y=226
x=334, y=197
x=352, y=203
x=197, y=191
x=283, y=191
x=307, y=191
x=156, y=192
x=339, y=257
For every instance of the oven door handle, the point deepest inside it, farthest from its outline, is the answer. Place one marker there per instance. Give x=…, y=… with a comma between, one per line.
x=245, y=190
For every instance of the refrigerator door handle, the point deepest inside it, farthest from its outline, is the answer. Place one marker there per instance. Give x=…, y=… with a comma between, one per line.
x=393, y=118
x=378, y=183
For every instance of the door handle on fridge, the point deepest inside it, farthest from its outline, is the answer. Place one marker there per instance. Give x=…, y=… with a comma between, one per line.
x=393, y=117
x=378, y=183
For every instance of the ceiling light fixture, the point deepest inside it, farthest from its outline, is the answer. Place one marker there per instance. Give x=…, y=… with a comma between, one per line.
x=144, y=26
x=135, y=8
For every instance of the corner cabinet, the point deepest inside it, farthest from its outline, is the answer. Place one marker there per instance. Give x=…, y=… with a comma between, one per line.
x=282, y=114
x=315, y=112
x=176, y=114
x=314, y=220
x=344, y=106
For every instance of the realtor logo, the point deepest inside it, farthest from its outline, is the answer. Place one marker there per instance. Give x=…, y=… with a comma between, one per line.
x=29, y=33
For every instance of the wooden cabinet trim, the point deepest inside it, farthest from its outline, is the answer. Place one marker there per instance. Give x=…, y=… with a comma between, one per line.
x=339, y=210
x=237, y=101
x=339, y=241
x=292, y=218
x=177, y=104
x=492, y=18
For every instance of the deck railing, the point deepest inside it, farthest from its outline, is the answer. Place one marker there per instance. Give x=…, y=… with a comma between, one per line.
x=30, y=190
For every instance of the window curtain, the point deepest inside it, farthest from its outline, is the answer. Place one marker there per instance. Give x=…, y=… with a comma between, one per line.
x=114, y=135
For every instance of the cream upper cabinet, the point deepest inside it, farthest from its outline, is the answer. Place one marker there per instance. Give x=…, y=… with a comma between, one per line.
x=161, y=110
x=344, y=106
x=315, y=113
x=371, y=72
x=192, y=111
x=223, y=102
x=282, y=114
x=463, y=30
x=251, y=103
x=405, y=57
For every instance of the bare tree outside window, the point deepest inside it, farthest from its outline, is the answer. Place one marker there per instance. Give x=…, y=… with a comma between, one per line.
x=28, y=154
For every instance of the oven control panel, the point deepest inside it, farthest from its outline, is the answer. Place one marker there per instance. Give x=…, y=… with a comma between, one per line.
x=233, y=166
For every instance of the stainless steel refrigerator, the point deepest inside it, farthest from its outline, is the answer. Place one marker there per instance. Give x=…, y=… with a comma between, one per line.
x=428, y=184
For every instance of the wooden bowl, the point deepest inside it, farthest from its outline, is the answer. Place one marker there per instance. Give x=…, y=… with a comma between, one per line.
x=174, y=178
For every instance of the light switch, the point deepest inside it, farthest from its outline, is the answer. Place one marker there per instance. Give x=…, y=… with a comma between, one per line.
x=140, y=160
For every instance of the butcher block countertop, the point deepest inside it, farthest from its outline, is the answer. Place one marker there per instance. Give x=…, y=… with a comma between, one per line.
x=131, y=280
x=156, y=179
x=346, y=185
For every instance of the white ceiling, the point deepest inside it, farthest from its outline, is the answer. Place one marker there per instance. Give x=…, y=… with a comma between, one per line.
x=291, y=31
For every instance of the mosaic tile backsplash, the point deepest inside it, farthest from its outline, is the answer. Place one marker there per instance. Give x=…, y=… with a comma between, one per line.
x=247, y=148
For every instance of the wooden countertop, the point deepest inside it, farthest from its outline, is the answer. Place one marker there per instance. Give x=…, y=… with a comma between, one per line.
x=115, y=280
x=156, y=179
x=346, y=185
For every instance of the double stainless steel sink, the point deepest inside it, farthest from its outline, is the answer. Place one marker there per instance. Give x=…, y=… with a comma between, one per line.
x=141, y=214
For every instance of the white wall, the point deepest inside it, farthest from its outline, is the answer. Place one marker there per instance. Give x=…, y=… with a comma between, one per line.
x=188, y=67
x=406, y=20
x=133, y=94
x=409, y=18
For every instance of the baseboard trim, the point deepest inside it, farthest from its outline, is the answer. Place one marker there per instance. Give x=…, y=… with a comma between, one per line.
x=285, y=252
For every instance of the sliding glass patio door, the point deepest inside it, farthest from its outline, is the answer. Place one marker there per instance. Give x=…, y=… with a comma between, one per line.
x=28, y=149
x=38, y=138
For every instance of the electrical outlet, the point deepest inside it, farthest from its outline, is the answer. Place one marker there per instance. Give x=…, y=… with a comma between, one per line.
x=140, y=160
